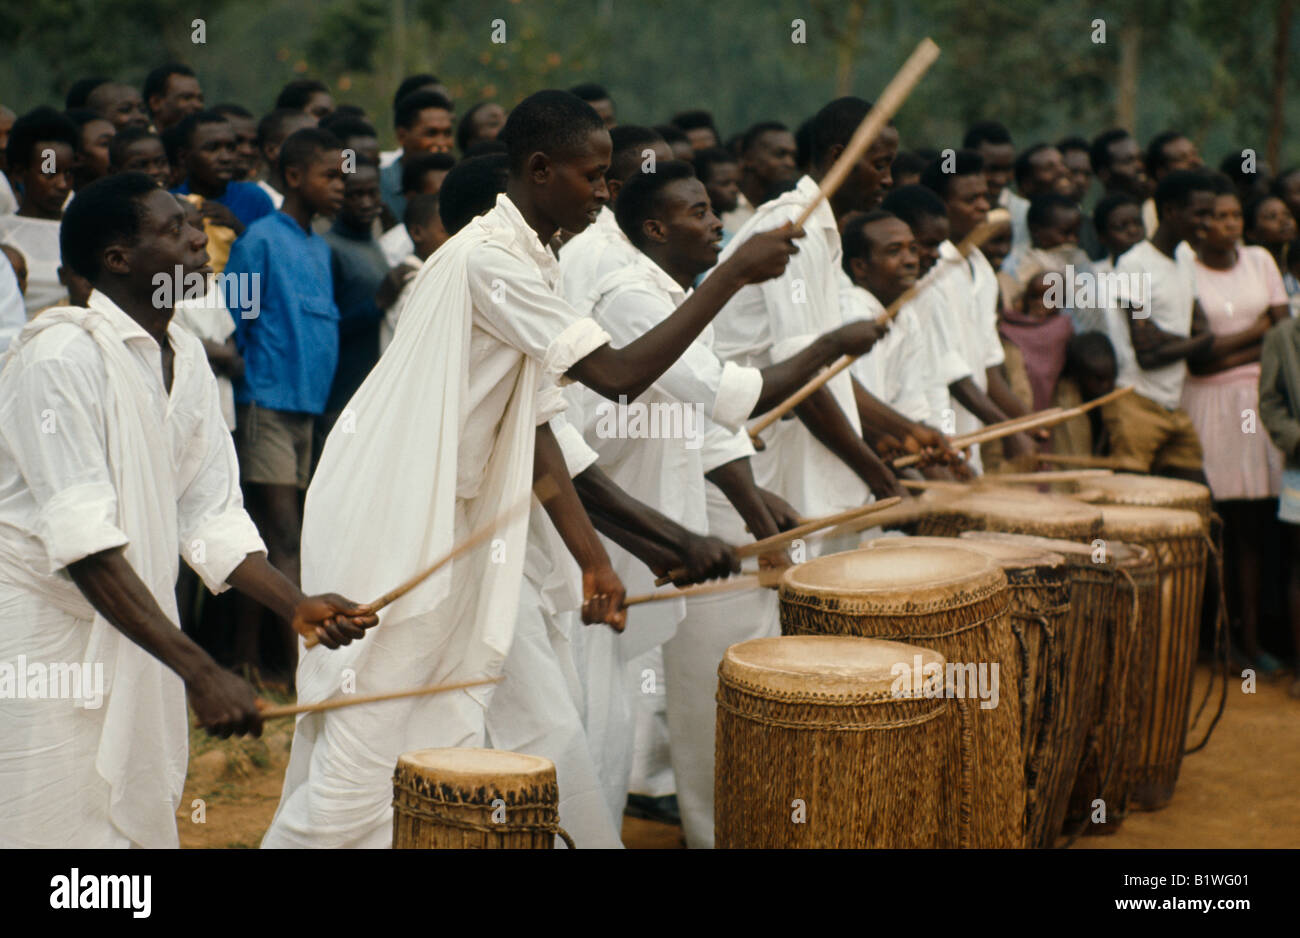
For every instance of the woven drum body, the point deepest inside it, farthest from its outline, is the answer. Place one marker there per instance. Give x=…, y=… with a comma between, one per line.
x=482, y=799
x=1145, y=491
x=829, y=742
x=1177, y=540
x=1055, y=516
x=1107, y=775
x=955, y=601
x=1075, y=672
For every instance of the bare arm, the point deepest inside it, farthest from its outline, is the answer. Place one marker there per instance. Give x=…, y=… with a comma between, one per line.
x=601, y=588
x=783, y=378
x=736, y=480
x=631, y=369
x=824, y=419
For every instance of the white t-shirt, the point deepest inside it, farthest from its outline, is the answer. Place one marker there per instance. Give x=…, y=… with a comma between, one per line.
x=1166, y=289
x=396, y=244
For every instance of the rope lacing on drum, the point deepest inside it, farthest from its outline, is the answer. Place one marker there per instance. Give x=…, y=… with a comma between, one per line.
x=412, y=810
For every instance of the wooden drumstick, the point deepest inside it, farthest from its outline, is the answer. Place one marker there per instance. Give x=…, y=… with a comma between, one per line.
x=1008, y=478
x=997, y=219
x=764, y=578
x=290, y=710
x=997, y=431
x=762, y=546
x=890, y=100
x=545, y=489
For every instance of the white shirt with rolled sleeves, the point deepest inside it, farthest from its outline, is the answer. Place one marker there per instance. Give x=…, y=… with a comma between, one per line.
x=95, y=453
x=446, y=420
x=1171, y=290
x=896, y=369
x=771, y=321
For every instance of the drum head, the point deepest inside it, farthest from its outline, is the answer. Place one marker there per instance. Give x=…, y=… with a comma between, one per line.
x=1152, y=491
x=826, y=665
x=1029, y=508
x=469, y=768
x=1134, y=523
x=893, y=577
x=1007, y=555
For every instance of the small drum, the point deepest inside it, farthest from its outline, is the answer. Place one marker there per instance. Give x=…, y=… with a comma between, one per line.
x=1015, y=512
x=483, y=799
x=1178, y=541
x=829, y=741
x=954, y=600
x=1106, y=776
x=1147, y=492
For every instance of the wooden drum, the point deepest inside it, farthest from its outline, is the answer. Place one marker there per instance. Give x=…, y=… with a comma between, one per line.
x=827, y=741
x=1178, y=542
x=1015, y=512
x=483, y=799
x=954, y=600
x=1106, y=775
x=1075, y=670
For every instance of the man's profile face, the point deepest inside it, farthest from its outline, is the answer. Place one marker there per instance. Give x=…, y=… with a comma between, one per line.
x=574, y=182
x=931, y=231
x=692, y=228
x=871, y=178
x=168, y=238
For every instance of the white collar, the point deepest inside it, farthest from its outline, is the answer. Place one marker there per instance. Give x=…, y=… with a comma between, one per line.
x=127, y=328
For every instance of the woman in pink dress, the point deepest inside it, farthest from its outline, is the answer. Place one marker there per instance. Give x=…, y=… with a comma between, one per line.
x=1240, y=290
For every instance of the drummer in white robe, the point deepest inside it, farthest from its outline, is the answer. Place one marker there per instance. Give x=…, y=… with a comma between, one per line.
x=451, y=413
x=692, y=429
x=114, y=458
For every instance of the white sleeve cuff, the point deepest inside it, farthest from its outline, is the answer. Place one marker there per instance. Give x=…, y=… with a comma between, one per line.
x=578, y=456
x=78, y=522
x=738, y=391
x=722, y=446
x=572, y=345
x=219, y=544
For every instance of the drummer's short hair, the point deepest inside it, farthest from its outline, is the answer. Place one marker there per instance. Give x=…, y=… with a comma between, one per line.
x=854, y=238
x=108, y=211
x=551, y=122
x=914, y=203
x=641, y=197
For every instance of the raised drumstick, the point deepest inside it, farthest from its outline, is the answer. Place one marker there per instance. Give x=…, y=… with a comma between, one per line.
x=762, y=546
x=545, y=489
x=998, y=218
x=289, y=710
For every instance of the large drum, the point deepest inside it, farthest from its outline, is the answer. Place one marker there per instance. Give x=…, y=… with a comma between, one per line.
x=954, y=600
x=1014, y=512
x=1105, y=776
x=1077, y=666
x=830, y=741
x=1146, y=491
x=1178, y=542
x=475, y=799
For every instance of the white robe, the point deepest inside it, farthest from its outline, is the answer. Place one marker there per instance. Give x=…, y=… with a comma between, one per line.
x=96, y=454
x=444, y=433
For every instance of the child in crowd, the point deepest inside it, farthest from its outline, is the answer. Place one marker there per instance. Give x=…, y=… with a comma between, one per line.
x=427, y=235
x=41, y=154
x=289, y=339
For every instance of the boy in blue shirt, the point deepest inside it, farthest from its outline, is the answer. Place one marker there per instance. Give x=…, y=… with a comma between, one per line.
x=280, y=290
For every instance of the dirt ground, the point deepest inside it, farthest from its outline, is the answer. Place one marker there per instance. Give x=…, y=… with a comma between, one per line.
x=1242, y=790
